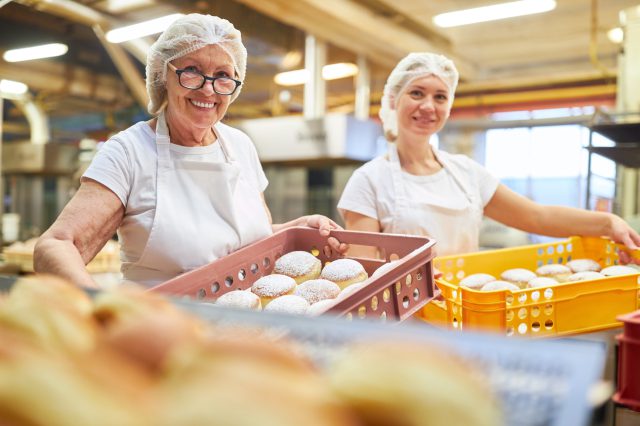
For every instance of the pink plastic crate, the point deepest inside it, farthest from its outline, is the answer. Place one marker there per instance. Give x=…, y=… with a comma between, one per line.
x=628, y=386
x=394, y=295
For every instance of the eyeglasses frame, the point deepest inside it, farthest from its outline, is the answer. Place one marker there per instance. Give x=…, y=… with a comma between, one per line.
x=206, y=78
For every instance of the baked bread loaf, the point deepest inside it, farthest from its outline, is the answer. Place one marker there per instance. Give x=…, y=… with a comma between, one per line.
x=518, y=276
x=615, y=270
x=584, y=276
x=476, y=281
x=320, y=307
x=582, y=265
x=271, y=286
x=299, y=265
x=408, y=384
x=538, y=282
x=559, y=272
x=344, y=272
x=499, y=285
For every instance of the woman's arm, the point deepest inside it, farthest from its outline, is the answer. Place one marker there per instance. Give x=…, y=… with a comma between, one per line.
x=86, y=223
x=358, y=222
x=514, y=210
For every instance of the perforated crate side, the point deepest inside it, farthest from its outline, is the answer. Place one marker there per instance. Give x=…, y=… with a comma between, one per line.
x=381, y=297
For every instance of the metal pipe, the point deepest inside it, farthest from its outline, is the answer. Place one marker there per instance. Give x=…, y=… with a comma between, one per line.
x=593, y=42
x=363, y=89
x=127, y=70
x=315, y=55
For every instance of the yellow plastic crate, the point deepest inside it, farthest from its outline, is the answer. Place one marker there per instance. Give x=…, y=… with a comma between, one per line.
x=568, y=308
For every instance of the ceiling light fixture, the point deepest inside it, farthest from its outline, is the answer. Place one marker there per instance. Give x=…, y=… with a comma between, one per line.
x=35, y=52
x=615, y=35
x=329, y=72
x=141, y=29
x=10, y=87
x=493, y=12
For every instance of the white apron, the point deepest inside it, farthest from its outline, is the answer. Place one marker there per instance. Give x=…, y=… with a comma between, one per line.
x=204, y=211
x=455, y=230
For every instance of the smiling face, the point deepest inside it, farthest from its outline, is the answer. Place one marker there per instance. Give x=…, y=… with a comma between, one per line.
x=423, y=107
x=201, y=108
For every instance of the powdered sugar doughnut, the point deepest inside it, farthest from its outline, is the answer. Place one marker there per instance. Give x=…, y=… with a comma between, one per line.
x=243, y=299
x=350, y=289
x=271, y=286
x=476, y=281
x=554, y=270
x=500, y=285
x=615, y=270
x=518, y=276
x=299, y=265
x=582, y=265
x=314, y=291
x=288, y=304
x=585, y=275
x=538, y=282
x=384, y=268
x=320, y=307
x=344, y=272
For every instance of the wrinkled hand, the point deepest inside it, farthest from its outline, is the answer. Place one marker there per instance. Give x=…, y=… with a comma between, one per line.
x=622, y=233
x=325, y=225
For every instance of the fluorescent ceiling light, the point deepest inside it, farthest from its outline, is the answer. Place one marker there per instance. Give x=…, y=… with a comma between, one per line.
x=10, y=87
x=35, y=52
x=493, y=12
x=329, y=72
x=142, y=29
x=615, y=35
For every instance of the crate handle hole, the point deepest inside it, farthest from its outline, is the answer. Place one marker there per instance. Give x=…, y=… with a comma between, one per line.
x=315, y=251
x=374, y=303
x=254, y=268
x=405, y=302
x=242, y=274
x=548, y=324
x=408, y=280
x=535, y=327
x=416, y=294
x=228, y=281
x=201, y=294
x=522, y=328
x=215, y=287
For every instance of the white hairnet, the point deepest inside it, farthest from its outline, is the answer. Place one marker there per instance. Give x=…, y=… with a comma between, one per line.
x=185, y=35
x=413, y=66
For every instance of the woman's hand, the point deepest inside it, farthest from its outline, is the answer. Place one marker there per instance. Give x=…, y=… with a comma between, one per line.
x=325, y=226
x=622, y=233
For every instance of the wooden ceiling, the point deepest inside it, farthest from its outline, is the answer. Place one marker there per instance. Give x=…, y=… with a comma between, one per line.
x=566, y=47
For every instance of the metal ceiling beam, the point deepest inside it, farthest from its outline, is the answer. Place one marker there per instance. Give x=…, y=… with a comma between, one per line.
x=353, y=27
x=53, y=77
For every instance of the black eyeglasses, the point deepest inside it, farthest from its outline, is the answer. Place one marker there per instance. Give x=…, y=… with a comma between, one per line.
x=194, y=80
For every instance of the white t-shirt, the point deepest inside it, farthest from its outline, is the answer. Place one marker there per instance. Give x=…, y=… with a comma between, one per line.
x=370, y=190
x=127, y=165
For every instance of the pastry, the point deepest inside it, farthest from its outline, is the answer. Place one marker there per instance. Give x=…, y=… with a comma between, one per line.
x=299, y=265
x=288, y=304
x=344, y=272
x=582, y=265
x=314, y=291
x=554, y=270
x=518, y=276
x=242, y=299
x=499, y=285
x=271, y=286
x=476, y=281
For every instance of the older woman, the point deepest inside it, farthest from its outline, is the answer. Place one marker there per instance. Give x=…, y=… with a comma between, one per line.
x=181, y=189
x=416, y=189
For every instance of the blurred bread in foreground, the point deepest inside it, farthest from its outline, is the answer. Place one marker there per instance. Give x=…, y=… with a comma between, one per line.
x=408, y=384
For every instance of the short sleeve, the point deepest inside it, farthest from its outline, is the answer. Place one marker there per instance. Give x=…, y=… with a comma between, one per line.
x=487, y=183
x=359, y=195
x=112, y=168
